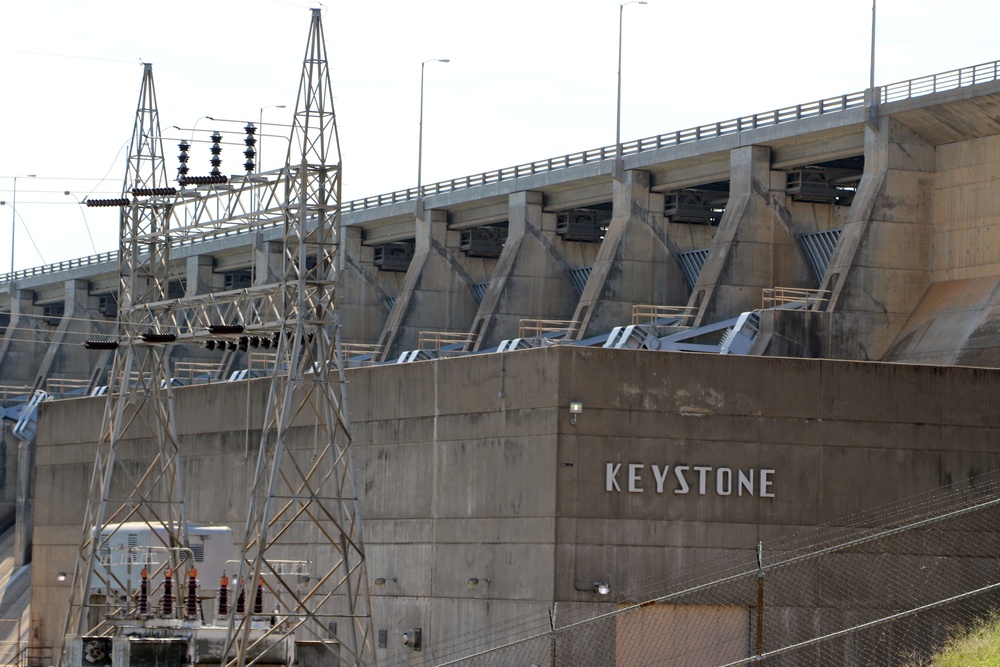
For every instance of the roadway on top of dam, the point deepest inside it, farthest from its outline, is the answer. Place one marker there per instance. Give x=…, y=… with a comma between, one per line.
x=799, y=135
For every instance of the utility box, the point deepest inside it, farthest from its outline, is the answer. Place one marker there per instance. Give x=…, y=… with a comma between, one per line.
x=127, y=548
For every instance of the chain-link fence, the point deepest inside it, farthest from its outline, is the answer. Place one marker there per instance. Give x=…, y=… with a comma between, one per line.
x=885, y=587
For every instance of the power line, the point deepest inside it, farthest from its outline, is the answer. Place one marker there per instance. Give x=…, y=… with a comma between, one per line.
x=67, y=55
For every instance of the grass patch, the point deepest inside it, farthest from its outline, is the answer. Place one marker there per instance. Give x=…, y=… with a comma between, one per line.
x=978, y=646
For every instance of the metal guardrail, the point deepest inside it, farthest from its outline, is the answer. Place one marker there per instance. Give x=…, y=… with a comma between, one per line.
x=63, y=386
x=435, y=340
x=531, y=328
x=895, y=92
x=191, y=372
x=939, y=83
x=359, y=349
x=926, y=85
x=11, y=392
x=776, y=297
x=643, y=313
x=709, y=131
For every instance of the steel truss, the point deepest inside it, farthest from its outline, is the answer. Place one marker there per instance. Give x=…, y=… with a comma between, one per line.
x=140, y=404
x=304, y=503
x=304, y=496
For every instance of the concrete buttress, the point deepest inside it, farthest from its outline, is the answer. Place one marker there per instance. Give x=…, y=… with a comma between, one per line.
x=881, y=267
x=755, y=246
x=531, y=276
x=636, y=263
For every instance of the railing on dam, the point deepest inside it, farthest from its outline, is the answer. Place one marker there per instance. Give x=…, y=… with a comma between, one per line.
x=895, y=92
x=926, y=85
x=710, y=131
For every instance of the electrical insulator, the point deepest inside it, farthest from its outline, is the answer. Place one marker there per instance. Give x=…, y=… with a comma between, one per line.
x=100, y=345
x=244, y=342
x=168, y=593
x=241, y=600
x=152, y=337
x=107, y=202
x=223, y=329
x=209, y=344
x=191, y=601
x=144, y=593
x=216, y=151
x=224, y=596
x=154, y=192
x=258, y=601
x=254, y=341
x=250, y=152
x=184, y=147
x=203, y=180
x=249, y=165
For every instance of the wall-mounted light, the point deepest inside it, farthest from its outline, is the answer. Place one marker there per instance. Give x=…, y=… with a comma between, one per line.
x=575, y=408
x=381, y=581
x=602, y=587
x=61, y=576
x=473, y=582
x=411, y=638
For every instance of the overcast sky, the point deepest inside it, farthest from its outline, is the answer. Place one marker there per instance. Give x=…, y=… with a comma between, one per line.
x=528, y=79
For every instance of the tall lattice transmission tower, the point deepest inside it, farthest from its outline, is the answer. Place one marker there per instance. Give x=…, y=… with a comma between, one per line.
x=303, y=508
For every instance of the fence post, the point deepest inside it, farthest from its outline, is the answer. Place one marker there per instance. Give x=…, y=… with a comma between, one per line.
x=759, y=646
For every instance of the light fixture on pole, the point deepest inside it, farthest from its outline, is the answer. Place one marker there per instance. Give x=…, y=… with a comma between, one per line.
x=618, y=115
x=13, y=220
x=420, y=138
x=260, y=142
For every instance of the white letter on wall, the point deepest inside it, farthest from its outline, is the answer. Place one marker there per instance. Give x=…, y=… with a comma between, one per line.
x=679, y=474
x=702, y=479
x=660, y=476
x=611, y=472
x=724, y=481
x=765, y=483
x=634, y=481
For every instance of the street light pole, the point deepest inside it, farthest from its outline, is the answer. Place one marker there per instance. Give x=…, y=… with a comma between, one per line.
x=420, y=138
x=872, y=102
x=618, y=116
x=260, y=144
x=13, y=220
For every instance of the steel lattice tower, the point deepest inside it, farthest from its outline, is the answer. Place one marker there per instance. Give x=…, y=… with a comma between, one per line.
x=304, y=493
x=140, y=398
x=303, y=508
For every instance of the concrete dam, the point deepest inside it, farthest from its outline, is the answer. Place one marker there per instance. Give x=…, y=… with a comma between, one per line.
x=559, y=380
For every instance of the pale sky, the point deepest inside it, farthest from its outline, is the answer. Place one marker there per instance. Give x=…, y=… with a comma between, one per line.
x=528, y=79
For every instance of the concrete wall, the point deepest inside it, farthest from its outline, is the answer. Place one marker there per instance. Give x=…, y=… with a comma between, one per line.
x=967, y=209
x=471, y=468
x=957, y=319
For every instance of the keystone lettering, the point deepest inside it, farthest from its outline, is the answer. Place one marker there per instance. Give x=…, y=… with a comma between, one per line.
x=684, y=479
